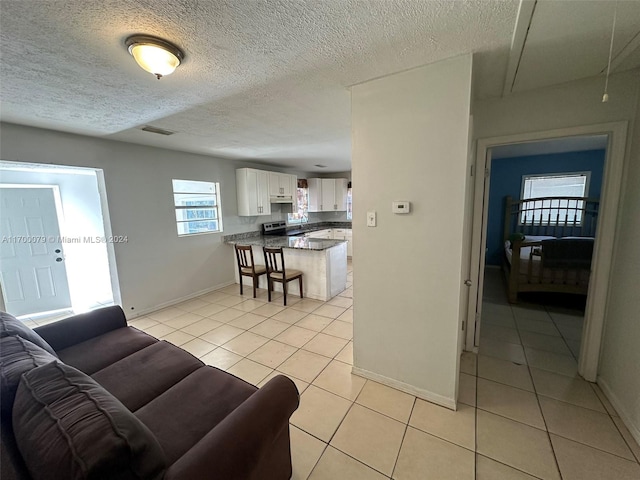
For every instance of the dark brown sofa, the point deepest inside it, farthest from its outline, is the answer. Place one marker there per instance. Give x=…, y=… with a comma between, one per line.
x=90, y=397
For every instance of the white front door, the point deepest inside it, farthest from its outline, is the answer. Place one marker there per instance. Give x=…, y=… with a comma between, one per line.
x=32, y=270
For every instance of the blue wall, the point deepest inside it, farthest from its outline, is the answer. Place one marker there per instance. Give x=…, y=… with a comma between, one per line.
x=506, y=179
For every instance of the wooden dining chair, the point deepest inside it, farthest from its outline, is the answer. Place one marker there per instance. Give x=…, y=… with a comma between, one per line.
x=276, y=272
x=247, y=267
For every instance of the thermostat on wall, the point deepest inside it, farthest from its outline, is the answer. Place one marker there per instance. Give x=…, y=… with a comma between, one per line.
x=401, y=207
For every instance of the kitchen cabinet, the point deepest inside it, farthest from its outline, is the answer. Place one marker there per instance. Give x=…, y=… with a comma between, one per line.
x=252, y=192
x=315, y=194
x=282, y=184
x=327, y=194
x=341, y=188
x=326, y=234
x=344, y=234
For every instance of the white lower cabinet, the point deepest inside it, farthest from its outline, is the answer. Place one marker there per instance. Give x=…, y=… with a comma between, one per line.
x=344, y=234
x=326, y=234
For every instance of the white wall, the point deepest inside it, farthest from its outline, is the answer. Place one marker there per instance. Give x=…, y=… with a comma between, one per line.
x=410, y=135
x=82, y=214
x=620, y=360
x=155, y=267
x=579, y=103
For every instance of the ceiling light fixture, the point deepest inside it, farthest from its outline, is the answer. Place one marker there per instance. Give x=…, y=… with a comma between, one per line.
x=154, y=55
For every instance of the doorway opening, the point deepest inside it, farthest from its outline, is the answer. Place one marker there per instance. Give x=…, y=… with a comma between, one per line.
x=557, y=316
x=546, y=184
x=55, y=256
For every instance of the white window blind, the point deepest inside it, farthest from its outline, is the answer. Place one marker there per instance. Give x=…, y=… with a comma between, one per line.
x=544, y=211
x=197, y=207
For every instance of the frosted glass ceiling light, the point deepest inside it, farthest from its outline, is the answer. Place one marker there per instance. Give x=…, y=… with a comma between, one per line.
x=154, y=55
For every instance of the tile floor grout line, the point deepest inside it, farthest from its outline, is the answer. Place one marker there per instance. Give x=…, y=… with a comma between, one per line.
x=324, y=449
x=507, y=465
x=633, y=454
x=475, y=422
x=595, y=448
x=544, y=420
x=576, y=358
x=404, y=434
x=506, y=384
x=359, y=461
x=624, y=439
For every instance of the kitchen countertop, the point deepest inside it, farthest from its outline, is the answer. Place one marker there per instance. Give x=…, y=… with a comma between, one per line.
x=245, y=237
x=299, y=243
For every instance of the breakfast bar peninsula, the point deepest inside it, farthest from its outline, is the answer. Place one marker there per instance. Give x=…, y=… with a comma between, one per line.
x=322, y=261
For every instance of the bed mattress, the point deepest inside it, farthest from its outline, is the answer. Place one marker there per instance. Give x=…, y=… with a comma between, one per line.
x=580, y=277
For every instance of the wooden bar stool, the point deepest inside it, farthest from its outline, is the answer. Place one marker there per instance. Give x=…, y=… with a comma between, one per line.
x=276, y=271
x=247, y=267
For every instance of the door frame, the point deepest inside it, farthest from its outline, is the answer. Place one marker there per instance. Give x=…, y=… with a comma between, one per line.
x=603, y=247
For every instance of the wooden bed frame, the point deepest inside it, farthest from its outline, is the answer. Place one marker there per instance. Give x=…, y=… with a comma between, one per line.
x=550, y=216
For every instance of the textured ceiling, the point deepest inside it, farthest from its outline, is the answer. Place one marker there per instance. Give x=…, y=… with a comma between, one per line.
x=265, y=80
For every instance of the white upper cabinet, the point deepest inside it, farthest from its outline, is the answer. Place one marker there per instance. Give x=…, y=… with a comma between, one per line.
x=282, y=185
x=252, y=192
x=342, y=185
x=327, y=194
x=315, y=194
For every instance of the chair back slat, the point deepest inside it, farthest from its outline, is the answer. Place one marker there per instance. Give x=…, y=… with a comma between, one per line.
x=274, y=259
x=244, y=255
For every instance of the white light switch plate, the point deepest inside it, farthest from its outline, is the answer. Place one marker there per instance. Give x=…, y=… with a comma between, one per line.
x=371, y=219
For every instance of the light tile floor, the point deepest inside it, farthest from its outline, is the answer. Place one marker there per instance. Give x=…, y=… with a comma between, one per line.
x=523, y=412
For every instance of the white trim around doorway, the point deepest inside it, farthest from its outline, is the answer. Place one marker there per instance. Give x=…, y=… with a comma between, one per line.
x=605, y=235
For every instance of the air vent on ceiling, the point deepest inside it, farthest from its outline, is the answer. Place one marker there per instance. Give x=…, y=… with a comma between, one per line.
x=159, y=131
x=320, y=166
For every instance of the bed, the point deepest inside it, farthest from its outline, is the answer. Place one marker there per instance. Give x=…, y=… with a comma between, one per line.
x=548, y=244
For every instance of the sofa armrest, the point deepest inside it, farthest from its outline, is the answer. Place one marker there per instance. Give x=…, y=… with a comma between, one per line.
x=77, y=329
x=237, y=444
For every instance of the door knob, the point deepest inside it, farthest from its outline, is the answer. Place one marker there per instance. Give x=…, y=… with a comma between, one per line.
x=467, y=283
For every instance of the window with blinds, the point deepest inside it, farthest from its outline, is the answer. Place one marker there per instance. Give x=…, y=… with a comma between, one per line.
x=545, y=208
x=197, y=207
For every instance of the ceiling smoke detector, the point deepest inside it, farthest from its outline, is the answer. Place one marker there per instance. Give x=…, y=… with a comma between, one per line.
x=154, y=55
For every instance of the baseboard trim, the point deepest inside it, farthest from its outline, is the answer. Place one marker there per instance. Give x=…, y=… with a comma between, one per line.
x=624, y=416
x=405, y=387
x=139, y=313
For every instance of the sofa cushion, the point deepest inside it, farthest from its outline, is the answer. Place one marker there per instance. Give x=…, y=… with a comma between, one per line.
x=100, y=352
x=17, y=357
x=185, y=413
x=67, y=426
x=9, y=325
x=79, y=328
x=142, y=376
